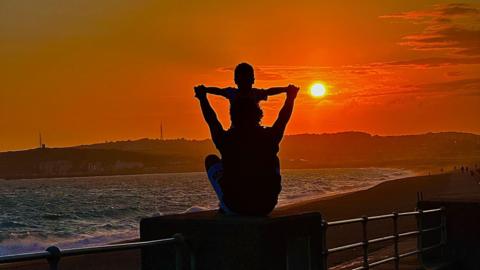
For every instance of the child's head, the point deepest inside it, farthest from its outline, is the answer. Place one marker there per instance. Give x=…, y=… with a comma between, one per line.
x=244, y=76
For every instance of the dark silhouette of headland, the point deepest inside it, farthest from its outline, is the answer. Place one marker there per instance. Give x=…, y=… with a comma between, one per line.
x=303, y=151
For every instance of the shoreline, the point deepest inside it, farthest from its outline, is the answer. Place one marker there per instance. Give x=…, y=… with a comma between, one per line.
x=409, y=173
x=415, y=169
x=396, y=195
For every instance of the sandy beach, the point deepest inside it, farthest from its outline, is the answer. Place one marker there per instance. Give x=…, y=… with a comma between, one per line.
x=396, y=195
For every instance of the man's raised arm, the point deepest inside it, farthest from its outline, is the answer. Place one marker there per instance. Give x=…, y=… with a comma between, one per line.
x=286, y=111
x=209, y=114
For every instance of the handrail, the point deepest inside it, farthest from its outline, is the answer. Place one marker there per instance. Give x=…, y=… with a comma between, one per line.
x=395, y=237
x=53, y=254
x=118, y=247
x=382, y=239
x=25, y=257
x=358, y=220
x=345, y=247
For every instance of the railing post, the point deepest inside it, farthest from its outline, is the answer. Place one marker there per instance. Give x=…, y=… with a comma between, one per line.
x=365, y=242
x=324, y=245
x=443, y=231
x=420, y=235
x=395, y=240
x=182, y=253
x=54, y=257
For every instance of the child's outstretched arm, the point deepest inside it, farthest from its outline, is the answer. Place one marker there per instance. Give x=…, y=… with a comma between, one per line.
x=275, y=90
x=216, y=91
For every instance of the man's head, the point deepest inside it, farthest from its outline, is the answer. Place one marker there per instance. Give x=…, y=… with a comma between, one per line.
x=244, y=75
x=245, y=113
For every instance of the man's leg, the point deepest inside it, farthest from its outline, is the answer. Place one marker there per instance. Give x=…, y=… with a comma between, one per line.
x=214, y=167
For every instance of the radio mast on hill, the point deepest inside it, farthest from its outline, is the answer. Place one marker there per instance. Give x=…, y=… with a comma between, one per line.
x=41, y=145
x=161, y=130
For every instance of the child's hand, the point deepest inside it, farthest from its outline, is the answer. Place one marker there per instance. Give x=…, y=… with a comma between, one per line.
x=200, y=91
x=292, y=91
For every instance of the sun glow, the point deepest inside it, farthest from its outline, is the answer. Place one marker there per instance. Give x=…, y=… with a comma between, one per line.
x=318, y=90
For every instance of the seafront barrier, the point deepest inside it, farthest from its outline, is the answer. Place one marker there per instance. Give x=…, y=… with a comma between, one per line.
x=448, y=237
x=462, y=232
x=447, y=234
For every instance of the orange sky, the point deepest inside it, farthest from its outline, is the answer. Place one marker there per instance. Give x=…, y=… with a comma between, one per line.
x=91, y=71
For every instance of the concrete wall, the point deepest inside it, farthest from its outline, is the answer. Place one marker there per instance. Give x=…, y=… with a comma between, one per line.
x=221, y=242
x=462, y=231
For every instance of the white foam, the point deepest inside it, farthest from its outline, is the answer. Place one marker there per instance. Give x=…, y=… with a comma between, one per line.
x=195, y=209
x=36, y=243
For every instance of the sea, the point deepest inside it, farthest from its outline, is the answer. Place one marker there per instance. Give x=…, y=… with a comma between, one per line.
x=87, y=211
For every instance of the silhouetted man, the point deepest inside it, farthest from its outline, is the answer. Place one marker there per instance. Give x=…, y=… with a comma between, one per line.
x=247, y=179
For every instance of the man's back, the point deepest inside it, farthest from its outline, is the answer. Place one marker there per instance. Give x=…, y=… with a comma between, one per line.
x=251, y=180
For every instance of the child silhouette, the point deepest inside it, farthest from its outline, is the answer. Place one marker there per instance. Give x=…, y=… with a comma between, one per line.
x=244, y=79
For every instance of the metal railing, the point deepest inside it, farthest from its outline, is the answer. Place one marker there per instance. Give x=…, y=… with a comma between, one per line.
x=182, y=254
x=395, y=237
x=53, y=254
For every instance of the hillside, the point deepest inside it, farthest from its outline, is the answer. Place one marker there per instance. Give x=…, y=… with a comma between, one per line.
x=348, y=149
x=362, y=149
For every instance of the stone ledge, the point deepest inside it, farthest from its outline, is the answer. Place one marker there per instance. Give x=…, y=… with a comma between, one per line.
x=237, y=242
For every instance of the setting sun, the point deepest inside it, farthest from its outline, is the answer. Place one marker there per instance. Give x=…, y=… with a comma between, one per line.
x=318, y=90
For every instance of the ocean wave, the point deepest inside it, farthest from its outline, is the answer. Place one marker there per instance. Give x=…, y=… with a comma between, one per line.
x=76, y=212
x=13, y=224
x=52, y=216
x=195, y=209
x=35, y=243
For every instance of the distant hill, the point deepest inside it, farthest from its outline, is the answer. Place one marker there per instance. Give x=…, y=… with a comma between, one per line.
x=362, y=149
x=348, y=149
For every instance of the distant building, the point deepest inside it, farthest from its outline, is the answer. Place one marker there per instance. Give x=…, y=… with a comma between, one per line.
x=55, y=167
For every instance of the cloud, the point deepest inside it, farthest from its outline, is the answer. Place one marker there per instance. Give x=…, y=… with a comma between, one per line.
x=465, y=87
x=462, y=87
x=452, y=27
x=461, y=41
x=434, y=62
x=453, y=73
x=458, y=9
x=411, y=15
x=261, y=74
x=442, y=11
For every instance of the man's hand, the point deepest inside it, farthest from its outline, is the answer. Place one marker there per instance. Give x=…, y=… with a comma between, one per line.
x=200, y=91
x=292, y=91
